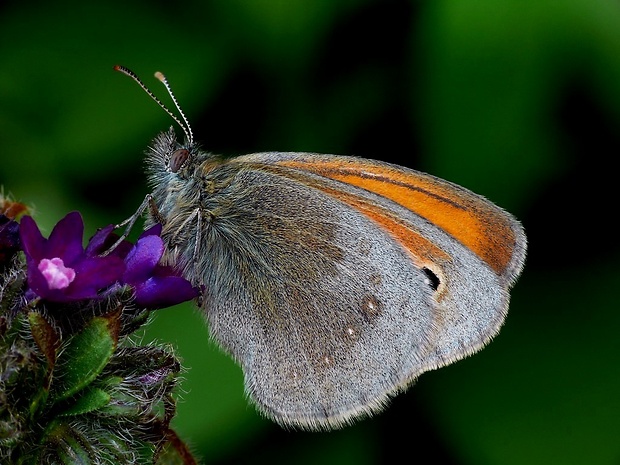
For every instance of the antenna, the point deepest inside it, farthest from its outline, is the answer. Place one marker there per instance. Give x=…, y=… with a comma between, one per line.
x=163, y=79
x=185, y=127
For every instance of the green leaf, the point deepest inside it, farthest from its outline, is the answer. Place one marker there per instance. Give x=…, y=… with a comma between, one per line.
x=48, y=342
x=68, y=446
x=73, y=442
x=85, y=355
x=90, y=399
x=45, y=337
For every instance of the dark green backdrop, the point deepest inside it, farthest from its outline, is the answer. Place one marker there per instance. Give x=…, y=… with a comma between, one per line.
x=517, y=100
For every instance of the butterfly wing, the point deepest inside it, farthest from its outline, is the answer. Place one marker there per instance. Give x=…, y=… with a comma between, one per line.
x=336, y=281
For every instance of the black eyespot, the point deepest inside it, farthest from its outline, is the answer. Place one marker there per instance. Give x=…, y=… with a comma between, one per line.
x=433, y=279
x=177, y=159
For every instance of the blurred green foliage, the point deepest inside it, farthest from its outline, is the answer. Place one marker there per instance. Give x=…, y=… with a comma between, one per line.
x=516, y=100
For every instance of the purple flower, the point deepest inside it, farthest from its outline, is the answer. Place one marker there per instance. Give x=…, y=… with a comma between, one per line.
x=9, y=239
x=59, y=269
x=155, y=285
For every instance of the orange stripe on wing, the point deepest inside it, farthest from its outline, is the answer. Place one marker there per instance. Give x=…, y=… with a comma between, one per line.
x=474, y=222
x=423, y=251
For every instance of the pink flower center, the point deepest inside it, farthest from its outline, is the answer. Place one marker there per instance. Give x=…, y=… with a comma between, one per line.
x=57, y=275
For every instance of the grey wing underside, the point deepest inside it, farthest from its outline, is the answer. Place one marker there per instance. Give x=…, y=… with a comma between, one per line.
x=325, y=311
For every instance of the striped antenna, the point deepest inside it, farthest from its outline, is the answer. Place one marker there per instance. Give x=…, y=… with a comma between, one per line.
x=163, y=79
x=185, y=127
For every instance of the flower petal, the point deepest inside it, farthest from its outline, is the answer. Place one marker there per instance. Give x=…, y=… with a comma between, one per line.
x=161, y=292
x=33, y=242
x=65, y=240
x=38, y=284
x=94, y=274
x=143, y=258
x=97, y=244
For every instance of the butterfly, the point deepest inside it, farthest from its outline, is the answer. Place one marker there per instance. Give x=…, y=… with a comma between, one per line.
x=334, y=281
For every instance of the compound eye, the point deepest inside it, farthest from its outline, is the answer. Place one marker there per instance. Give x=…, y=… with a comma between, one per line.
x=177, y=159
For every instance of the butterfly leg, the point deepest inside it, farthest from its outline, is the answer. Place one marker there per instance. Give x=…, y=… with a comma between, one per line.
x=131, y=221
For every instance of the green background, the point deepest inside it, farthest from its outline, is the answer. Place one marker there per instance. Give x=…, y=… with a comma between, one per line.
x=515, y=100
